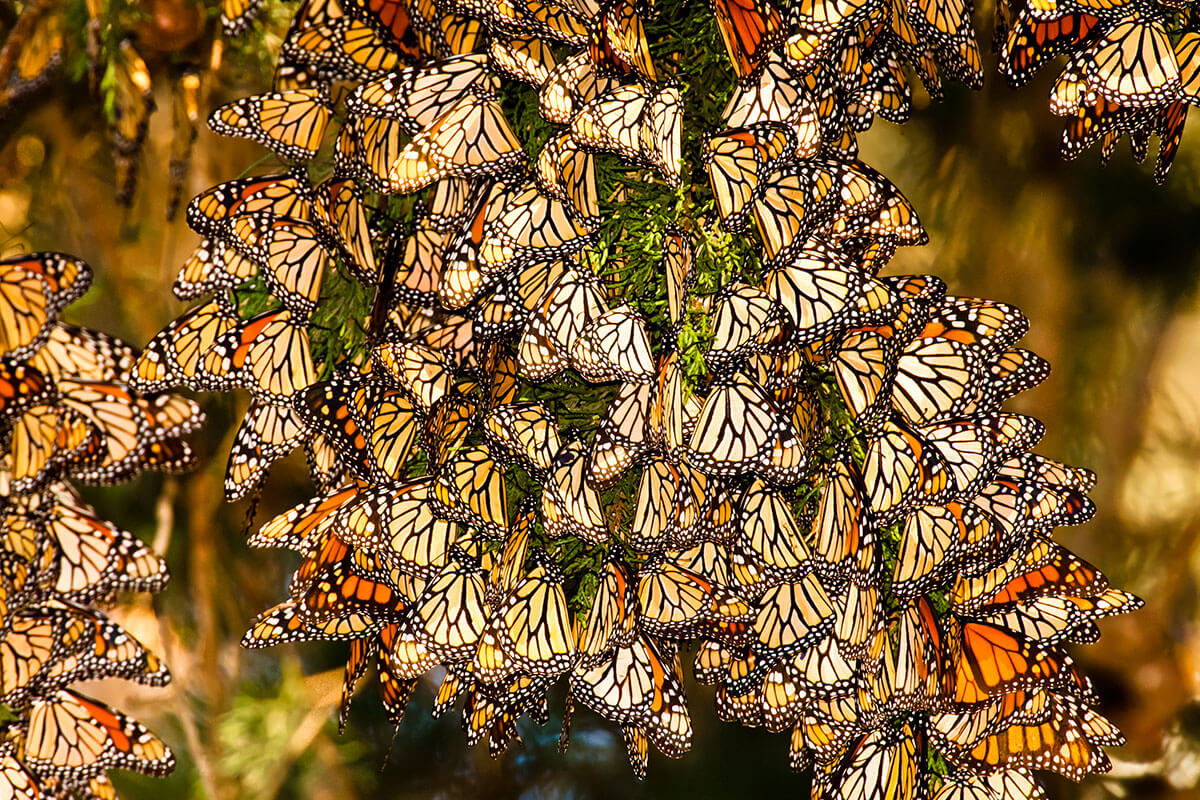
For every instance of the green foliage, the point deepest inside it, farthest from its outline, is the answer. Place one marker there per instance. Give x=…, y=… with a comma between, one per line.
x=578, y=406
x=264, y=739
x=338, y=329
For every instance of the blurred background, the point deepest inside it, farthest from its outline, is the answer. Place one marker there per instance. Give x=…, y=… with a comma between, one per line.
x=1104, y=263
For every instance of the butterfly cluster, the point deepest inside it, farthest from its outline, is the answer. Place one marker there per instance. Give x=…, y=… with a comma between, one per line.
x=1132, y=70
x=557, y=444
x=68, y=415
x=42, y=43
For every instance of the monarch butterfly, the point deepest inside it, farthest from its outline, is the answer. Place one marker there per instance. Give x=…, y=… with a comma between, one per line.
x=1051, y=9
x=984, y=660
x=418, y=275
x=624, y=437
x=1058, y=740
x=343, y=207
x=612, y=123
x=185, y=119
x=670, y=506
x=865, y=359
x=33, y=289
x=72, y=737
x=268, y=432
x=678, y=602
x=284, y=195
x=471, y=490
x=747, y=320
x=527, y=228
x=826, y=16
x=136, y=434
x=290, y=123
x=237, y=15
x=1024, y=506
x=445, y=33
x=530, y=631
x=292, y=257
x=372, y=429
x=673, y=416
x=173, y=357
x=214, y=266
x=881, y=86
x=47, y=440
x=446, y=428
x=882, y=764
x=792, y=616
x=619, y=47
x=301, y=527
x=527, y=431
x=21, y=387
x=679, y=268
x=501, y=378
x=612, y=620
x=133, y=103
x=1133, y=64
x=311, y=14
x=769, y=531
x=614, y=346
x=46, y=648
x=822, y=290
x=423, y=373
x=1044, y=591
x=660, y=132
x=344, y=589
x=524, y=59
x=843, y=545
x=788, y=206
x=821, y=672
x=737, y=425
x=573, y=83
x=1047, y=471
x=285, y=623
x=943, y=461
x=641, y=690
x=567, y=173
x=397, y=522
x=566, y=306
x=365, y=149
x=508, y=567
x=945, y=26
x=401, y=659
x=1005, y=784
x=471, y=139
x=345, y=49
x=571, y=505
x=735, y=159
x=38, y=54
x=95, y=557
x=566, y=22
x=450, y=614
x=776, y=96
x=418, y=96
x=1032, y=42
x=750, y=30
x=267, y=354
x=933, y=539
x=498, y=314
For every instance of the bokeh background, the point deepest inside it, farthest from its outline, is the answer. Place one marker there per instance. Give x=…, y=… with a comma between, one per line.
x=1103, y=262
